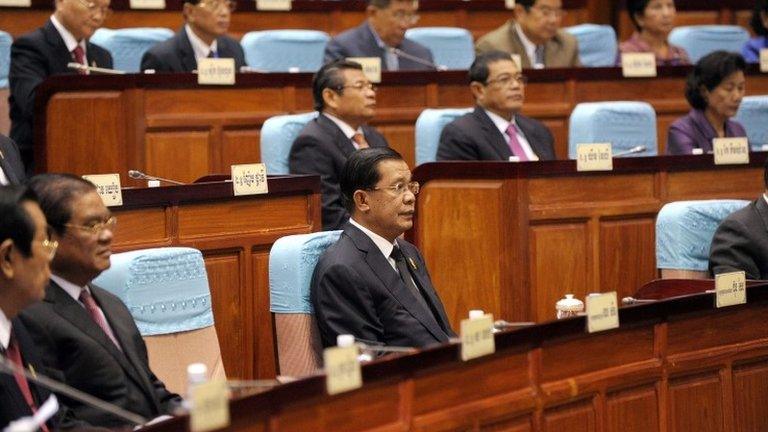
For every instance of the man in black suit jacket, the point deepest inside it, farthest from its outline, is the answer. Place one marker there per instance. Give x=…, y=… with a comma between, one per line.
x=372, y=284
x=496, y=130
x=382, y=32
x=346, y=101
x=46, y=51
x=10, y=162
x=203, y=35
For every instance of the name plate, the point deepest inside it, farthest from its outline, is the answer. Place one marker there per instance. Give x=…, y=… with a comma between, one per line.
x=216, y=71
x=147, y=4
x=764, y=60
x=15, y=3
x=594, y=157
x=273, y=5
x=342, y=370
x=371, y=67
x=108, y=187
x=602, y=312
x=210, y=407
x=730, y=289
x=509, y=4
x=477, y=337
x=638, y=65
x=731, y=151
x=249, y=179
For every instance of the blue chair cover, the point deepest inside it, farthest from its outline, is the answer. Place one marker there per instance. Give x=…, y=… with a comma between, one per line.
x=292, y=261
x=281, y=50
x=753, y=115
x=429, y=126
x=597, y=44
x=684, y=231
x=5, y=58
x=451, y=47
x=128, y=45
x=623, y=124
x=701, y=40
x=277, y=136
x=165, y=289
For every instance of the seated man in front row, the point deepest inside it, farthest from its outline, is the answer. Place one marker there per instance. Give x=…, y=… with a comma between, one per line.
x=496, y=130
x=371, y=283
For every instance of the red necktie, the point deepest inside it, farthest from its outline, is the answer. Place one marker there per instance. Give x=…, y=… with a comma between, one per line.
x=514, y=144
x=98, y=318
x=14, y=355
x=359, y=139
x=79, y=56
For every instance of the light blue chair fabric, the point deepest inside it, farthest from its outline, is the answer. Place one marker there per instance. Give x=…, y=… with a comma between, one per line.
x=623, y=124
x=281, y=50
x=597, y=44
x=165, y=289
x=753, y=115
x=5, y=58
x=684, y=231
x=701, y=40
x=429, y=126
x=451, y=47
x=277, y=136
x=128, y=45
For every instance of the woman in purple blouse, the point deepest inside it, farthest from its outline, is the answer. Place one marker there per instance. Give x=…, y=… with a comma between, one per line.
x=714, y=89
x=759, y=24
x=653, y=19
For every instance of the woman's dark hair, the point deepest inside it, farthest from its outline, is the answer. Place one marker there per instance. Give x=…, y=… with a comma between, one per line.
x=761, y=7
x=709, y=72
x=634, y=8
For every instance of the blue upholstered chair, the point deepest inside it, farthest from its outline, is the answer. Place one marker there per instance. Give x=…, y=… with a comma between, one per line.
x=5, y=57
x=128, y=45
x=623, y=124
x=684, y=231
x=282, y=50
x=429, y=125
x=451, y=47
x=166, y=290
x=277, y=136
x=701, y=40
x=597, y=44
x=753, y=114
x=292, y=261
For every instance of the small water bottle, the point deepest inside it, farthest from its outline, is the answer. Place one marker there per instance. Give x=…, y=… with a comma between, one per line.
x=476, y=313
x=197, y=373
x=569, y=307
x=347, y=340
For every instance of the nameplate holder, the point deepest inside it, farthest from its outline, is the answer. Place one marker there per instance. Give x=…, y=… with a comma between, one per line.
x=342, y=370
x=518, y=61
x=638, y=65
x=371, y=67
x=477, y=337
x=273, y=5
x=594, y=157
x=509, y=4
x=210, y=407
x=764, y=60
x=602, y=312
x=731, y=151
x=730, y=289
x=15, y=3
x=216, y=71
x=146, y=4
x=249, y=179
x=109, y=188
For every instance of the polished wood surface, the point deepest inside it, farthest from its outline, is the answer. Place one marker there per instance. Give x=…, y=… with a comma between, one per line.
x=235, y=235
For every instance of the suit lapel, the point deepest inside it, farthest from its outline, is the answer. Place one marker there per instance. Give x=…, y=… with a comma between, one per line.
x=424, y=282
x=8, y=170
x=187, y=53
x=492, y=134
x=57, y=48
x=516, y=46
x=342, y=142
x=530, y=134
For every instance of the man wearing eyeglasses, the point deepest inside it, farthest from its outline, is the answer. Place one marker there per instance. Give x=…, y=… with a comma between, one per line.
x=372, y=284
x=534, y=34
x=382, y=35
x=47, y=51
x=204, y=35
x=84, y=333
x=496, y=130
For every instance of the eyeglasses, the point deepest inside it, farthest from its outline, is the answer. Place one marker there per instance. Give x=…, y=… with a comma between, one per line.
x=97, y=227
x=213, y=5
x=506, y=80
x=400, y=188
x=549, y=12
x=407, y=18
x=358, y=86
x=94, y=7
x=50, y=247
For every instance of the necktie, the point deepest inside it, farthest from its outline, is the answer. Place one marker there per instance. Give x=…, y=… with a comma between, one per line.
x=514, y=143
x=539, y=57
x=98, y=318
x=213, y=54
x=391, y=59
x=407, y=277
x=79, y=55
x=359, y=139
x=14, y=355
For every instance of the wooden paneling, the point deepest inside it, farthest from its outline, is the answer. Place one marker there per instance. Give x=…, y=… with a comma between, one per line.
x=627, y=243
x=188, y=150
x=633, y=410
x=697, y=404
x=576, y=418
x=750, y=394
x=240, y=146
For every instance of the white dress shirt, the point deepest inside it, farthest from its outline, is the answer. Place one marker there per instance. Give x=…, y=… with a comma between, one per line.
x=346, y=129
x=384, y=245
x=502, y=124
x=5, y=330
x=200, y=48
x=3, y=178
x=530, y=47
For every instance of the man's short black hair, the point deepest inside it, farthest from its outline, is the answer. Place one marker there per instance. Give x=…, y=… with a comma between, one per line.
x=709, y=72
x=636, y=8
x=526, y=4
x=761, y=7
x=329, y=76
x=15, y=223
x=478, y=71
x=362, y=172
x=55, y=194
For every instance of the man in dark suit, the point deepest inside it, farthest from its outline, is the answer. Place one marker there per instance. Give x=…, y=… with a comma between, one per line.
x=11, y=167
x=81, y=330
x=46, y=51
x=496, y=130
x=203, y=35
x=346, y=101
x=382, y=35
x=372, y=284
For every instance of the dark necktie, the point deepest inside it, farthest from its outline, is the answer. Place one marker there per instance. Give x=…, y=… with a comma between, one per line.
x=98, y=318
x=79, y=55
x=14, y=355
x=408, y=279
x=213, y=54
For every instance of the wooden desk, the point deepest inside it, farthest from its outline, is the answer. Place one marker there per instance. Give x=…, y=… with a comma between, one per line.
x=235, y=235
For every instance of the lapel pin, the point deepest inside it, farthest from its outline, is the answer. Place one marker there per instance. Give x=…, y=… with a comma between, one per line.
x=32, y=371
x=413, y=264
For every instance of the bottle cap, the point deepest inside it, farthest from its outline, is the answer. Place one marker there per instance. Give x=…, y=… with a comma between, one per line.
x=476, y=313
x=345, y=340
x=570, y=304
x=197, y=373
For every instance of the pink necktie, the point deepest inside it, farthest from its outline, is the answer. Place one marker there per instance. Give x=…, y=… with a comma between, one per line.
x=14, y=354
x=93, y=310
x=79, y=56
x=514, y=144
x=360, y=140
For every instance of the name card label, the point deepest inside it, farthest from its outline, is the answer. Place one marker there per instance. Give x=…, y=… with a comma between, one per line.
x=509, y=4
x=371, y=67
x=638, y=65
x=477, y=337
x=147, y=4
x=594, y=157
x=731, y=151
x=16, y=3
x=210, y=407
x=249, y=179
x=602, y=312
x=342, y=370
x=216, y=71
x=273, y=5
x=108, y=187
x=764, y=60
x=730, y=289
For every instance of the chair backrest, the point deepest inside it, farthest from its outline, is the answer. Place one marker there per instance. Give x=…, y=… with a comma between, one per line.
x=5, y=57
x=277, y=136
x=684, y=231
x=597, y=44
x=700, y=40
x=292, y=261
x=166, y=290
x=429, y=126
x=128, y=45
x=753, y=115
x=285, y=50
x=451, y=47
x=625, y=125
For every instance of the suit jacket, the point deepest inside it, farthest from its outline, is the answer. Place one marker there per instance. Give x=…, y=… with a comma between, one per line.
x=694, y=131
x=356, y=291
x=176, y=54
x=322, y=148
x=360, y=42
x=34, y=57
x=10, y=161
x=474, y=136
x=71, y=342
x=560, y=51
x=741, y=242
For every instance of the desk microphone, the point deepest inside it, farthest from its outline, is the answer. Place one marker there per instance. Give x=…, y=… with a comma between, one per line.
x=138, y=175
x=626, y=301
x=400, y=53
x=633, y=150
x=94, y=69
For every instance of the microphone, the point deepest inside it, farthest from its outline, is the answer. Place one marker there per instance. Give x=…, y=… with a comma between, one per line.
x=626, y=301
x=400, y=53
x=138, y=175
x=94, y=69
x=633, y=150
